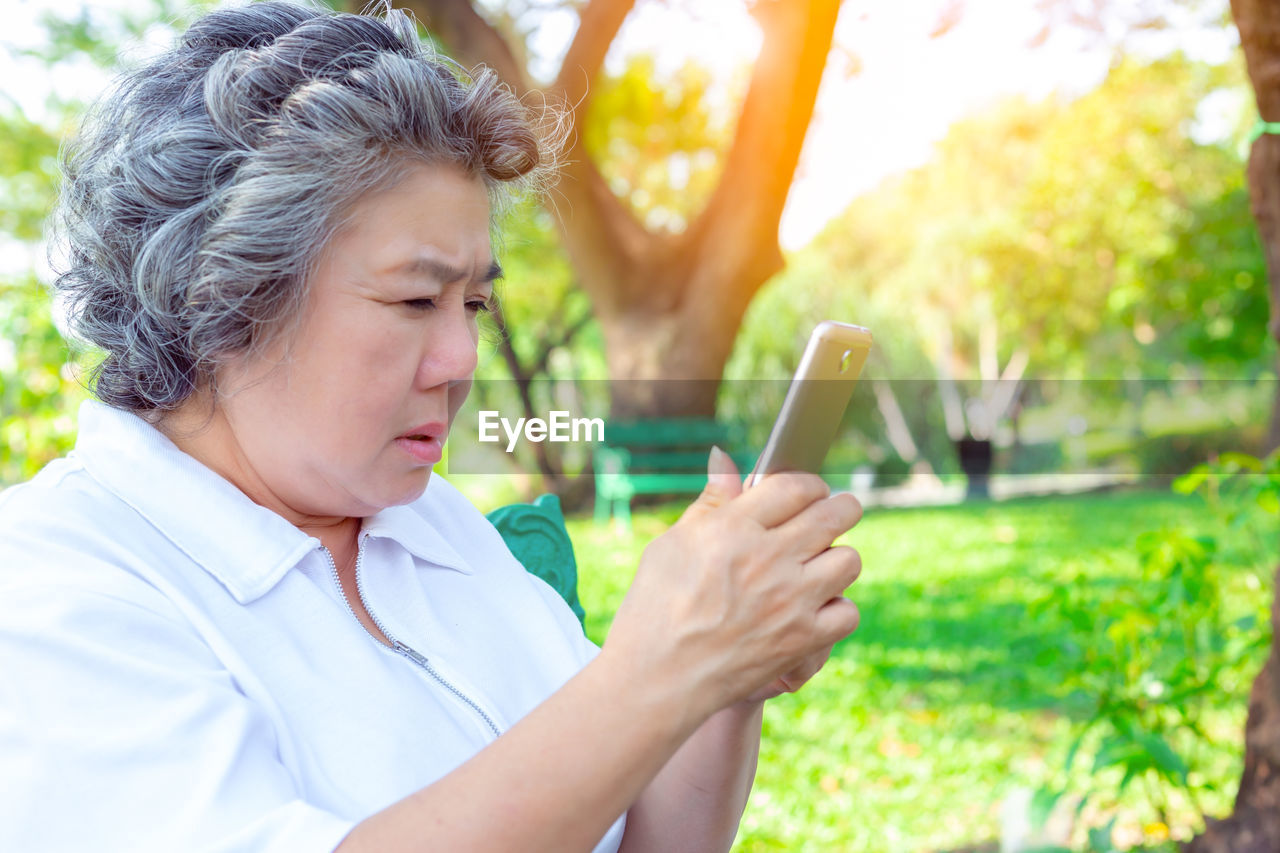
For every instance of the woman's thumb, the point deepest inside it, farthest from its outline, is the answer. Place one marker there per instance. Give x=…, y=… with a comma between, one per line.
x=723, y=485
x=722, y=475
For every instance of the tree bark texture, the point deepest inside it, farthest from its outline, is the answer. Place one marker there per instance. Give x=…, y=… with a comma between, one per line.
x=1259, y=24
x=669, y=305
x=1254, y=825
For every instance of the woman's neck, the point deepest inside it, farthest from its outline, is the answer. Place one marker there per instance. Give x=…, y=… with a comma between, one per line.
x=201, y=432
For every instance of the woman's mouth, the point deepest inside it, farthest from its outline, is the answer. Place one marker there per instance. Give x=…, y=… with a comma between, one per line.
x=424, y=443
x=425, y=449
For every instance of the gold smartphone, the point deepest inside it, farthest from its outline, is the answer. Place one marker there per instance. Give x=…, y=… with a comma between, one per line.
x=815, y=402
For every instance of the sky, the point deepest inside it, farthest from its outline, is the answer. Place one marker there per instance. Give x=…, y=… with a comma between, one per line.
x=867, y=125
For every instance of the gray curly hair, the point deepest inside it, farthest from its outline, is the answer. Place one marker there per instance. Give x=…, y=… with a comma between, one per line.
x=201, y=190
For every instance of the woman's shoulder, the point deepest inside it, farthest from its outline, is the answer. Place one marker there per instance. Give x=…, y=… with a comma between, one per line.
x=62, y=491
x=61, y=512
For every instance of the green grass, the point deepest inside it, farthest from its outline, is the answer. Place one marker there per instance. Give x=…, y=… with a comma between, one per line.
x=950, y=695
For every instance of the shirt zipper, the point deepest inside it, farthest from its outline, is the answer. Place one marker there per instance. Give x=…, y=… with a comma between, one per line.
x=399, y=647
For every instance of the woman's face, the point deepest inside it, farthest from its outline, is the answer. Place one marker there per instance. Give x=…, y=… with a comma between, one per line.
x=347, y=415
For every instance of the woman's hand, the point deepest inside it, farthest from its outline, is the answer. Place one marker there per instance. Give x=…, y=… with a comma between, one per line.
x=723, y=484
x=742, y=599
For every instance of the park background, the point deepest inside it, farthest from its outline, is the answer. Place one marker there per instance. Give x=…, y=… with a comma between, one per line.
x=1041, y=210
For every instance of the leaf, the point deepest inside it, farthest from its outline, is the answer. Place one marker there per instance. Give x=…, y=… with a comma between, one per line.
x=1100, y=838
x=1234, y=461
x=1130, y=772
x=1168, y=762
x=1246, y=624
x=1042, y=803
x=1075, y=744
x=1117, y=751
x=1192, y=480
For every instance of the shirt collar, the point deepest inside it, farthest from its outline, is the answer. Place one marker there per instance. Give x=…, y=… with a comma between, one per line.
x=413, y=532
x=247, y=547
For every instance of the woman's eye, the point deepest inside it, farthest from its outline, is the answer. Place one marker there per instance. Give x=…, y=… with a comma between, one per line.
x=475, y=306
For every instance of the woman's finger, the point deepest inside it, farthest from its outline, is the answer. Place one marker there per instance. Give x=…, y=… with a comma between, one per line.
x=832, y=572
x=807, y=669
x=836, y=619
x=779, y=497
x=811, y=532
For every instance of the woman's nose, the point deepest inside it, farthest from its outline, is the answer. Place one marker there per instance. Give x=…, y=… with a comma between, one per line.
x=451, y=354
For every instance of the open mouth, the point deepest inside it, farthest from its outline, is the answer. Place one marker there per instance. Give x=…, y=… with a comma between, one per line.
x=422, y=447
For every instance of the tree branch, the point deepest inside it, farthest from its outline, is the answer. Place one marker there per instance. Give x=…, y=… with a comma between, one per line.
x=540, y=366
x=598, y=25
x=597, y=229
x=470, y=39
x=746, y=206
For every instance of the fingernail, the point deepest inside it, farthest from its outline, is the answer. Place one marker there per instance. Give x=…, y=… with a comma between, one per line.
x=722, y=472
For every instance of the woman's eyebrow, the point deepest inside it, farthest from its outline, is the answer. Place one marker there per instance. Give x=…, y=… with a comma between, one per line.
x=446, y=273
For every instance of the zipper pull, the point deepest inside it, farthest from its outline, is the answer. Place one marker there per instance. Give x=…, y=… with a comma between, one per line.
x=410, y=653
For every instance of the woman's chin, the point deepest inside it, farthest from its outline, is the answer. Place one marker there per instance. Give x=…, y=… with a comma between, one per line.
x=411, y=488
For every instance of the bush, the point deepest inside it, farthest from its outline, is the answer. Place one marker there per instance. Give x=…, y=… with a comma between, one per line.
x=1171, y=455
x=1165, y=643
x=892, y=470
x=1031, y=458
x=1168, y=455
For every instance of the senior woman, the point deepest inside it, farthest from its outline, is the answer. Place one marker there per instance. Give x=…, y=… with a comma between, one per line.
x=243, y=615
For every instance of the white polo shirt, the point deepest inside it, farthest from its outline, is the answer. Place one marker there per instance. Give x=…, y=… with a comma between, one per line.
x=180, y=672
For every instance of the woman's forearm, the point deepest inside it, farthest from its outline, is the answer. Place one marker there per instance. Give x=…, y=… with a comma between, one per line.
x=555, y=781
x=696, y=801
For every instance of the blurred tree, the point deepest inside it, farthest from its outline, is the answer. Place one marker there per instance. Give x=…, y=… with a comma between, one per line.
x=1255, y=821
x=537, y=319
x=1259, y=25
x=38, y=389
x=669, y=302
x=1116, y=24
x=1078, y=237
x=657, y=141
x=1120, y=26
x=40, y=377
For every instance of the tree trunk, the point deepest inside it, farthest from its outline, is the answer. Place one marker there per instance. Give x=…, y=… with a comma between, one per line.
x=1254, y=826
x=1259, y=25
x=1273, y=432
x=1255, y=822
x=1264, y=193
x=670, y=306
x=574, y=492
x=976, y=460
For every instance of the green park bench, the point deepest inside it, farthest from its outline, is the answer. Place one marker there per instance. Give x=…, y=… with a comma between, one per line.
x=537, y=537
x=660, y=456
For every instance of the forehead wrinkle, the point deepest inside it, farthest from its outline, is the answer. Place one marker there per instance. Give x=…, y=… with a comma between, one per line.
x=444, y=272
